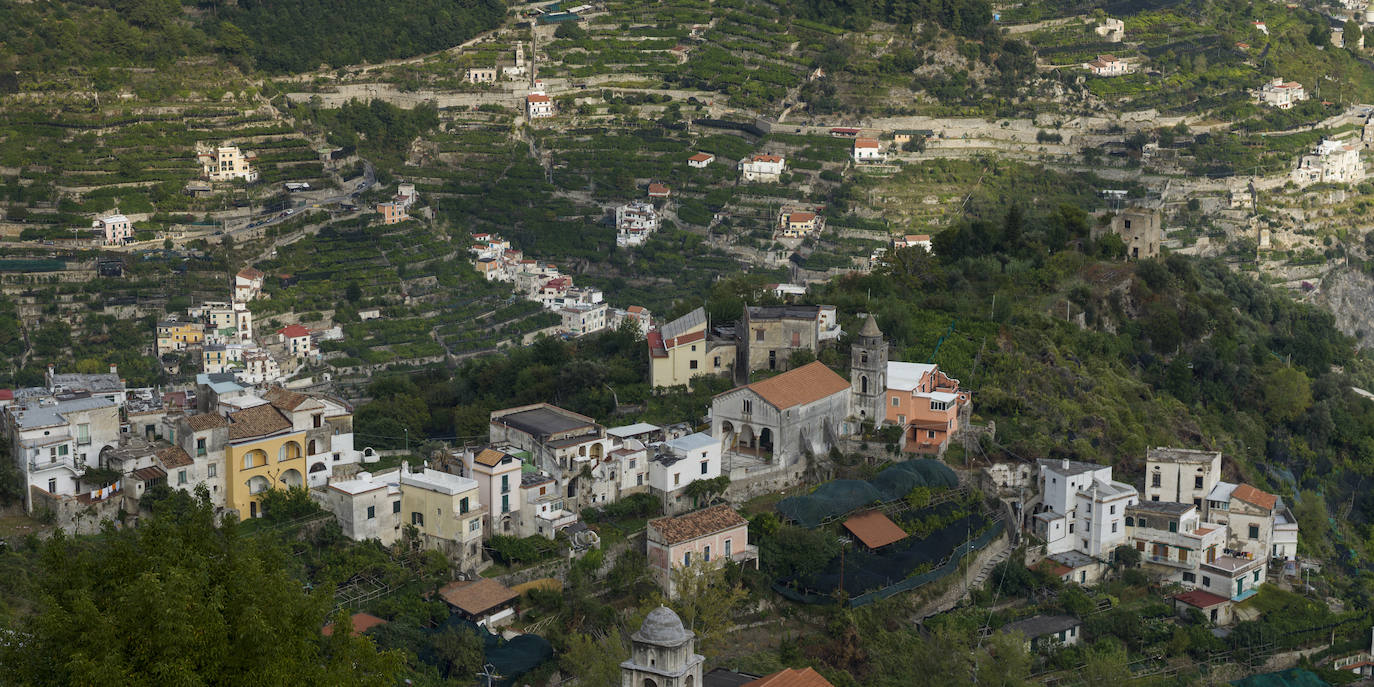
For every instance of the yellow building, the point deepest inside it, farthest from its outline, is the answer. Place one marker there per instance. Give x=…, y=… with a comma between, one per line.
x=264, y=452
x=681, y=350
x=179, y=336
x=447, y=512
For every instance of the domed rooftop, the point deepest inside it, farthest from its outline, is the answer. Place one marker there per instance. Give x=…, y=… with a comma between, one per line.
x=663, y=628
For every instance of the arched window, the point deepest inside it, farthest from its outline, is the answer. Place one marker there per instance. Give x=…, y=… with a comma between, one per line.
x=1130, y=521
x=313, y=448
x=863, y=357
x=254, y=458
x=863, y=384
x=289, y=451
x=258, y=484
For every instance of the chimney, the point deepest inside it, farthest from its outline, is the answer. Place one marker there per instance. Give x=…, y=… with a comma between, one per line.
x=405, y=467
x=114, y=369
x=1066, y=463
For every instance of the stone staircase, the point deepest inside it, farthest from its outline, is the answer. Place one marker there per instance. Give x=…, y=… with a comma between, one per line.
x=986, y=571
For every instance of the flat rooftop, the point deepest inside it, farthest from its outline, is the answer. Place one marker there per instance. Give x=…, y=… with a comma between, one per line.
x=1181, y=455
x=543, y=421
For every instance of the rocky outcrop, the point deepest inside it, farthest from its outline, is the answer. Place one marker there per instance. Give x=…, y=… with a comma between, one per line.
x=1349, y=295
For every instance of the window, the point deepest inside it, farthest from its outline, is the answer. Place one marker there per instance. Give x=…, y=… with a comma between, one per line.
x=863, y=357
x=200, y=447
x=796, y=339
x=938, y=405
x=639, y=480
x=542, y=490
x=691, y=364
x=728, y=546
x=83, y=434
x=748, y=406
x=181, y=477
x=1206, y=581
x=1130, y=522
x=371, y=512
x=1128, y=224
x=677, y=478
x=717, y=361
x=1090, y=507
x=1087, y=526
x=1182, y=554
x=632, y=464
x=758, y=335
x=894, y=401
x=52, y=486
x=505, y=503
x=694, y=349
x=1140, y=546
x=395, y=506
x=212, y=470
x=704, y=466
x=930, y=434
x=1255, y=576
x=317, y=420
x=1173, y=526
x=687, y=558
x=505, y=484
x=1155, y=498
x=1112, y=509
x=706, y=554
x=1142, y=522
x=474, y=524
x=1254, y=531
x=417, y=519
x=1189, y=577
x=463, y=505
x=1113, y=527
x=1197, y=482
x=1154, y=480
x=1071, y=528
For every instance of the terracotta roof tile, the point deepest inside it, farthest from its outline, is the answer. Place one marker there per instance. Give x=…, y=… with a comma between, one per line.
x=174, y=457
x=476, y=598
x=203, y=421
x=806, y=384
x=675, y=530
x=1254, y=497
x=791, y=677
x=874, y=529
x=250, y=273
x=256, y=422
x=294, y=331
x=286, y=400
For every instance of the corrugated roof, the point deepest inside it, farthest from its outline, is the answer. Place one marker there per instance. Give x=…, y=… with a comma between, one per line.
x=1255, y=497
x=1200, y=599
x=490, y=457
x=150, y=473
x=874, y=529
x=806, y=384
x=477, y=598
x=681, y=325
x=697, y=524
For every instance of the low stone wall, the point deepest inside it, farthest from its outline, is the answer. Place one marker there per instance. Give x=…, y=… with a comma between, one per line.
x=76, y=517
x=744, y=486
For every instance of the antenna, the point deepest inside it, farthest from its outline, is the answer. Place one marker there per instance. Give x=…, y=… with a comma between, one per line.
x=489, y=672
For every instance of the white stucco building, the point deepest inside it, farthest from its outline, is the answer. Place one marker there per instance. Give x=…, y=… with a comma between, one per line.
x=1331, y=162
x=762, y=168
x=1083, y=508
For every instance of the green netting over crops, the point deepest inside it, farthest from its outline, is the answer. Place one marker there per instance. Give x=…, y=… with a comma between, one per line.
x=1293, y=677
x=841, y=496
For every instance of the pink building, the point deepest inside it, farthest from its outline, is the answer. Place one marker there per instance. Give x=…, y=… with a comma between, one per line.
x=115, y=229
x=498, y=483
x=709, y=535
x=926, y=403
x=392, y=213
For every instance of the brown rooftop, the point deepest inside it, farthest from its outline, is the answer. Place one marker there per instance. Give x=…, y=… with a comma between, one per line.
x=362, y=622
x=675, y=530
x=874, y=529
x=792, y=677
x=203, y=421
x=490, y=457
x=1255, y=497
x=806, y=384
x=174, y=457
x=256, y=422
x=477, y=598
x=286, y=400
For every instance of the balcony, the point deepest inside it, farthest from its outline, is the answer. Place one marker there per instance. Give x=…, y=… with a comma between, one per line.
x=557, y=519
